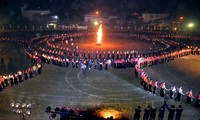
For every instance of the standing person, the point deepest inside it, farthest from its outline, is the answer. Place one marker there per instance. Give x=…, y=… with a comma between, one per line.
x=179, y=94
x=153, y=113
x=20, y=76
x=189, y=96
x=5, y=77
x=100, y=65
x=25, y=75
x=16, y=78
x=1, y=80
x=161, y=113
x=155, y=87
x=150, y=82
x=137, y=113
x=171, y=112
x=136, y=71
x=179, y=111
x=11, y=77
x=146, y=113
x=145, y=85
x=73, y=62
x=34, y=70
x=172, y=91
x=90, y=64
x=83, y=67
x=39, y=66
x=77, y=63
x=162, y=89
x=30, y=72
x=197, y=103
x=2, y=83
x=67, y=62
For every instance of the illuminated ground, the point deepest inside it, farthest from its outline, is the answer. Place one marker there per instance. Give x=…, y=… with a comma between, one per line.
x=116, y=44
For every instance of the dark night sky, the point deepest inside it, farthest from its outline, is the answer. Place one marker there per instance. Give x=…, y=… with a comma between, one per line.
x=120, y=7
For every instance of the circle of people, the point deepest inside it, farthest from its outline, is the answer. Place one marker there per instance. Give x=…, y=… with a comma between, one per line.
x=68, y=54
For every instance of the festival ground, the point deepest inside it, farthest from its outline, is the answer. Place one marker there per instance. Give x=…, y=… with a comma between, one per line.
x=116, y=44
x=114, y=88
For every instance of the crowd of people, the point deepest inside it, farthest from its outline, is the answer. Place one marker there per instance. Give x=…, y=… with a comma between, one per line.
x=152, y=86
x=60, y=50
x=62, y=55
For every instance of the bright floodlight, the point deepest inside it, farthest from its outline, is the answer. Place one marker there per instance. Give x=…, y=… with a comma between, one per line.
x=190, y=25
x=56, y=17
x=96, y=23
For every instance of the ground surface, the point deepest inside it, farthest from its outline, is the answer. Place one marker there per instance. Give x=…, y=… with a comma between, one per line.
x=117, y=44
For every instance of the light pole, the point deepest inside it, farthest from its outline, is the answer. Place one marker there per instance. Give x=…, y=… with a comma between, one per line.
x=22, y=109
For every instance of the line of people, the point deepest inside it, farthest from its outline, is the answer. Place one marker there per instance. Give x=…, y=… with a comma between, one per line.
x=152, y=86
x=21, y=75
x=150, y=112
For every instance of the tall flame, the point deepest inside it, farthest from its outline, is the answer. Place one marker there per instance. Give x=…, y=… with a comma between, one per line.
x=99, y=35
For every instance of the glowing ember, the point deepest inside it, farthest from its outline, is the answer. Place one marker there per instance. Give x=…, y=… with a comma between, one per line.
x=107, y=113
x=99, y=35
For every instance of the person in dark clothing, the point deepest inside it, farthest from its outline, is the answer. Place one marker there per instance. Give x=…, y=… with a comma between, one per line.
x=197, y=103
x=146, y=113
x=171, y=112
x=153, y=113
x=137, y=113
x=179, y=111
x=136, y=72
x=161, y=113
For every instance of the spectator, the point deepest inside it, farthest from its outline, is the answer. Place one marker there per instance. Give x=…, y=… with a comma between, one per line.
x=171, y=112
x=153, y=113
x=137, y=113
x=179, y=111
x=161, y=113
x=146, y=113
